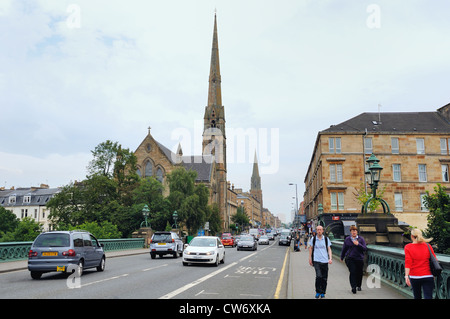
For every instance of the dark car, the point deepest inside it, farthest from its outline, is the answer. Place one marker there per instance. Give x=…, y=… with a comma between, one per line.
x=65, y=251
x=247, y=242
x=284, y=240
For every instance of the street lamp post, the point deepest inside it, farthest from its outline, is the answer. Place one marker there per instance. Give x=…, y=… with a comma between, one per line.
x=145, y=213
x=296, y=201
x=175, y=217
x=373, y=178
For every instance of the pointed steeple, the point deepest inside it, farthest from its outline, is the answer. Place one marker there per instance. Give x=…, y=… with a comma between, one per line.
x=215, y=92
x=256, y=179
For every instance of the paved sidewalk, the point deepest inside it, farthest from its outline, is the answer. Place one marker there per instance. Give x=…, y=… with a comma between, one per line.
x=301, y=281
x=23, y=264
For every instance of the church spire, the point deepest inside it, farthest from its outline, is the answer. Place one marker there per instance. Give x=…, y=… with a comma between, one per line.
x=215, y=92
x=256, y=179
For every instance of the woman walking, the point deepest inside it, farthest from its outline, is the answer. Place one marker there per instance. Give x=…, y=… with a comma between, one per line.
x=417, y=265
x=353, y=253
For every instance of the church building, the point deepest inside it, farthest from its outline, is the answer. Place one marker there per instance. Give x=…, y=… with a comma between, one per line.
x=154, y=159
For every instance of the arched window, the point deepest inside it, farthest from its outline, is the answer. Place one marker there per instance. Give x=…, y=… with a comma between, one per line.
x=148, y=169
x=138, y=171
x=159, y=174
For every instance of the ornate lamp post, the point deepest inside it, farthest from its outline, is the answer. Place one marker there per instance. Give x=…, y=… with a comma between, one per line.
x=175, y=217
x=373, y=178
x=145, y=213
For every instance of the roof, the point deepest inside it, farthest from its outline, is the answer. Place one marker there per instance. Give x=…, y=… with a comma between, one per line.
x=393, y=122
x=203, y=165
x=39, y=196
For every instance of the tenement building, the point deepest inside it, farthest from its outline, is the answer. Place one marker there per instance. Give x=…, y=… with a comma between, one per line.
x=413, y=149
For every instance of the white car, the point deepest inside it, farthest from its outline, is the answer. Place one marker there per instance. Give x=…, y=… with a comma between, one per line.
x=263, y=240
x=204, y=250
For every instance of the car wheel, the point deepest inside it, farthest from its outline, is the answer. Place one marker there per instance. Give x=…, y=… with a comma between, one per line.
x=153, y=256
x=36, y=274
x=217, y=261
x=80, y=268
x=185, y=263
x=101, y=267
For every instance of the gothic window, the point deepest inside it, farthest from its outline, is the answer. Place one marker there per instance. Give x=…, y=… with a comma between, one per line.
x=138, y=171
x=148, y=169
x=159, y=174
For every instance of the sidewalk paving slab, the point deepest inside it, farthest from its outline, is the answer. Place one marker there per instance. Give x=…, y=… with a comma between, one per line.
x=301, y=281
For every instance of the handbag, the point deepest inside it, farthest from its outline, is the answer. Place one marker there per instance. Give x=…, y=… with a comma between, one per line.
x=435, y=267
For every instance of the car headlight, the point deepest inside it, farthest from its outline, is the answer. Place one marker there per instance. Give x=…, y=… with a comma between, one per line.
x=209, y=253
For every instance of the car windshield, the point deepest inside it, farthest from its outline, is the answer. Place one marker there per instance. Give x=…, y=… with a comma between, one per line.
x=226, y=237
x=246, y=238
x=264, y=237
x=203, y=242
x=162, y=237
x=53, y=240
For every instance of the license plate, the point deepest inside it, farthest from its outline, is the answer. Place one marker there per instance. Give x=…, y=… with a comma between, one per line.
x=162, y=244
x=60, y=268
x=50, y=253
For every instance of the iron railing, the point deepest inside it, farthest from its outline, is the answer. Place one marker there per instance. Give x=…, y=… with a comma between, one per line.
x=13, y=251
x=389, y=264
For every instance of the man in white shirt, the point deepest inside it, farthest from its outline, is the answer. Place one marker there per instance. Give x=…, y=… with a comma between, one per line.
x=320, y=257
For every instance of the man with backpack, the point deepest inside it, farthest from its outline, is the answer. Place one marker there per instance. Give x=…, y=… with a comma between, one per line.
x=320, y=257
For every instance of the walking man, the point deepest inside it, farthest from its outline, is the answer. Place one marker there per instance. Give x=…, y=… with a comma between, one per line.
x=320, y=257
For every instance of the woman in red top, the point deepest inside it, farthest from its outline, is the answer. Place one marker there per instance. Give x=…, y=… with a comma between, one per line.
x=417, y=266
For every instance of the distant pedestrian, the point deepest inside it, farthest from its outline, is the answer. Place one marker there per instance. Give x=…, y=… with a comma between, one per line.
x=305, y=239
x=320, y=257
x=353, y=253
x=417, y=265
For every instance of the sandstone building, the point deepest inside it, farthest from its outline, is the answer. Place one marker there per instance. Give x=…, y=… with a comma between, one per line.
x=413, y=149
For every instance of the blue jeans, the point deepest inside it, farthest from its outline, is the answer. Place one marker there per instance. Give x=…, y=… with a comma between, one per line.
x=425, y=284
x=321, y=276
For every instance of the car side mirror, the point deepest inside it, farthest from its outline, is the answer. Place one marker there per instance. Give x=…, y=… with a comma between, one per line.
x=186, y=246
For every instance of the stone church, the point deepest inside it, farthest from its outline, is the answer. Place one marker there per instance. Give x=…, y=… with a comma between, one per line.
x=154, y=159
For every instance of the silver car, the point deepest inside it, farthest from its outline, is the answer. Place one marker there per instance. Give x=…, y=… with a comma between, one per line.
x=166, y=243
x=263, y=240
x=247, y=242
x=65, y=251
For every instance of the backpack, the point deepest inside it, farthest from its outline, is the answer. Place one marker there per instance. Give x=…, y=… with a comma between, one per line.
x=314, y=246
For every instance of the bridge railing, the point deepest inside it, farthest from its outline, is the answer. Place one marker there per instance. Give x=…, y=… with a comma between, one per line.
x=14, y=251
x=389, y=264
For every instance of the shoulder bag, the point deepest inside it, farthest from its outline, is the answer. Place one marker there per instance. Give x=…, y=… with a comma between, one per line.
x=435, y=267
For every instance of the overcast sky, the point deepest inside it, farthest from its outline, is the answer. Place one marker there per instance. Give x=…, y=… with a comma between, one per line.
x=76, y=73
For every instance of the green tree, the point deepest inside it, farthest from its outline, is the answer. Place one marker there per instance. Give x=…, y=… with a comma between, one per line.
x=438, y=226
x=188, y=199
x=27, y=230
x=8, y=221
x=240, y=218
x=104, y=230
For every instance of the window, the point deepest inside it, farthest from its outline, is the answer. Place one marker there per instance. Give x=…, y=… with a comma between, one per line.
x=444, y=146
x=444, y=169
x=337, y=201
x=423, y=206
x=394, y=145
x=396, y=173
x=27, y=199
x=422, y=172
x=148, y=169
x=368, y=149
x=398, y=202
x=12, y=199
x=420, y=142
x=334, y=145
x=336, y=173
x=159, y=174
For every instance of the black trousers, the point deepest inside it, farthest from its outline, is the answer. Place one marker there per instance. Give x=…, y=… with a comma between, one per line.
x=321, y=277
x=355, y=266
